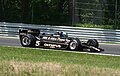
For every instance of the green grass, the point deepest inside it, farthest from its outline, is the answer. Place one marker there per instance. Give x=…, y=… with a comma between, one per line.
x=39, y=62
x=96, y=26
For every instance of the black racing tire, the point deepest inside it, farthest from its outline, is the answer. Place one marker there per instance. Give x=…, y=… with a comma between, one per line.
x=75, y=45
x=28, y=40
x=93, y=42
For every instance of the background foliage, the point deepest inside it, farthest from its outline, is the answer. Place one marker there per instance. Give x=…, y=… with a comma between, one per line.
x=35, y=11
x=100, y=12
x=62, y=12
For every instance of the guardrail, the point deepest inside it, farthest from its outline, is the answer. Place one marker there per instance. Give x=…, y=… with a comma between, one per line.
x=103, y=35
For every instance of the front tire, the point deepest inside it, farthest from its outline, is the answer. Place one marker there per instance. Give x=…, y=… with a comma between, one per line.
x=75, y=45
x=93, y=42
x=28, y=40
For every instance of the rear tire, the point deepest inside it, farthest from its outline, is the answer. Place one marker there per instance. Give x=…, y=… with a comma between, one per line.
x=28, y=40
x=93, y=42
x=75, y=45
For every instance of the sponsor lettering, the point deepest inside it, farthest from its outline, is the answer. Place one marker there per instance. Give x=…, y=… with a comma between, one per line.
x=52, y=45
x=54, y=39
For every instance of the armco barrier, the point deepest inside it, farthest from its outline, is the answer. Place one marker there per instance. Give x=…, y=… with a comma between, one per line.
x=103, y=35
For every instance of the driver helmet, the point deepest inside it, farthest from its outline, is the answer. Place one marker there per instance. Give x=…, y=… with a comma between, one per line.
x=63, y=34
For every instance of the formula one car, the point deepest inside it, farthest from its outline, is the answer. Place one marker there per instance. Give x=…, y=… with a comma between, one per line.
x=57, y=40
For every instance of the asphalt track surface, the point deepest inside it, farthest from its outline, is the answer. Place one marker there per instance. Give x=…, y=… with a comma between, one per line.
x=113, y=49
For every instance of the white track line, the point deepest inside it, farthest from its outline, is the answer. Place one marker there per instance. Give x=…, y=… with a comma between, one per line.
x=92, y=53
x=71, y=51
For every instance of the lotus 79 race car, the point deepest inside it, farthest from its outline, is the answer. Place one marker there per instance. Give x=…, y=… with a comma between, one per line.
x=57, y=40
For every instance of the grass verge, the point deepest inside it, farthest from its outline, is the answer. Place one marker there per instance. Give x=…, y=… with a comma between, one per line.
x=95, y=26
x=37, y=62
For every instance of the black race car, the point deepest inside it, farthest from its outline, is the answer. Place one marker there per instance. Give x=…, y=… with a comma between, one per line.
x=56, y=40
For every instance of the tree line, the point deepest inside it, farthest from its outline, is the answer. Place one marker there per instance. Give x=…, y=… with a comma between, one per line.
x=35, y=11
x=60, y=11
x=105, y=12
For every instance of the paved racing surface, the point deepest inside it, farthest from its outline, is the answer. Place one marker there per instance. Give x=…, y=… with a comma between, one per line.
x=109, y=48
